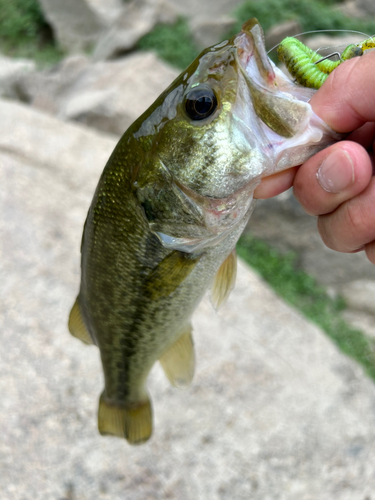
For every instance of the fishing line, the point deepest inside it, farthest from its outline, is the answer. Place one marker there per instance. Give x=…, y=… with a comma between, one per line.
x=246, y=335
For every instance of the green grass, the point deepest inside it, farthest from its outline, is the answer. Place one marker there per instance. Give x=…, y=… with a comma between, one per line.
x=302, y=291
x=312, y=15
x=24, y=32
x=171, y=42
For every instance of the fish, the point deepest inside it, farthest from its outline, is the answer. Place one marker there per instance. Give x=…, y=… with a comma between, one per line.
x=170, y=205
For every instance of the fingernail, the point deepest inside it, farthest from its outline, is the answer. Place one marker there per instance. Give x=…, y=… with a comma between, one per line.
x=336, y=173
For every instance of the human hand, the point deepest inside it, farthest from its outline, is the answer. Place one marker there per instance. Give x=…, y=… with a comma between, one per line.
x=337, y=184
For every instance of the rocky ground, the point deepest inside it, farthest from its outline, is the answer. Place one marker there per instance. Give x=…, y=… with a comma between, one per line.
x=275, y=410
x=282, y=223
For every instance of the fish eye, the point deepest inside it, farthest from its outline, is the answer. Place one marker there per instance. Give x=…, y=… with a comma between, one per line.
x=200, y=103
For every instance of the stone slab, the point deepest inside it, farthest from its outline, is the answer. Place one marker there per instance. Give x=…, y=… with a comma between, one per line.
x=275, y=410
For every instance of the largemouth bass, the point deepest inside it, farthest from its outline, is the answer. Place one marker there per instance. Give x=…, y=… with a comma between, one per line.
x=171, y=203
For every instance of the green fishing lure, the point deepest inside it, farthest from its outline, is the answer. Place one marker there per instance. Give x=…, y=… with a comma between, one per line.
x=311, y=69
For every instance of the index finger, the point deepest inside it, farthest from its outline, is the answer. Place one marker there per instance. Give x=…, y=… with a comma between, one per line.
x=346, y=100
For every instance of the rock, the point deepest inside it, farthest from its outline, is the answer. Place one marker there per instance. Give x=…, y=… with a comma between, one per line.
x=358, y=8
x=366, y=6
x=44, y=89
x=106, y=95
x=11, y=72
x=75, y=23
x=361, y=320
x=274, y=411
x=350, y=9
x=360, y=295
x=280, y=31
x=197, y=11
x=107, y=10
x=209, y=21
x=283, y=224
x=327, y=44
x=137, y=18
x=111, y=95
x=210, y=32
x=73, y=154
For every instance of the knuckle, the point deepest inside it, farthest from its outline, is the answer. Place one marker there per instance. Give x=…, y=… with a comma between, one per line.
x=326, y=233
x=357, y=220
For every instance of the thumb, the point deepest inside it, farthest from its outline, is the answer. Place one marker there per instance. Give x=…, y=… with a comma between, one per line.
x=347, y=100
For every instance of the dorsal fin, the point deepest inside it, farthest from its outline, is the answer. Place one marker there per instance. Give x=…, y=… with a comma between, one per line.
x=178, y=362
x=76, y=325
x=224, y=280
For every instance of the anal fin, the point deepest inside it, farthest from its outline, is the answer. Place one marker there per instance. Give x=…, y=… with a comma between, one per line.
x=133, y=423
x=76, y=325
x=224, y=280
x=178, y=362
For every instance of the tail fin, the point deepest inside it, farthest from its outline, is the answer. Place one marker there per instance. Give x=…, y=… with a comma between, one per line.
x=133, y=424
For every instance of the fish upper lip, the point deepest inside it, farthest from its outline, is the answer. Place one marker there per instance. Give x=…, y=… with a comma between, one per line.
x=252, y=55
x=245, y=50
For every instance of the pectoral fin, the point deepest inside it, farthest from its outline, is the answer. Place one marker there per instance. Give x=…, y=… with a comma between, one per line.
x=178, y=362
x=76, y=325
x=224, y=280
x=134, y=424
x=169, y=274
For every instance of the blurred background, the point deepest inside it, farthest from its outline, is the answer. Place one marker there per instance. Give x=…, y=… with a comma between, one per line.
x=74, y=74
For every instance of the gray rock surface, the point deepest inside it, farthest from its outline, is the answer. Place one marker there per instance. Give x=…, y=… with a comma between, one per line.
x=136, y=19
x=11, y=72
x=280, y=31
x=360, y=295
x=283, y=224
x=45, y=89
x=275, y=410
x=358, y=8
x=209, y=21
x=107, y=95
x=325, y=44
x=198, y=10
x=208, y=32
x=364, y=321
x=75, y=23
x=107, y=10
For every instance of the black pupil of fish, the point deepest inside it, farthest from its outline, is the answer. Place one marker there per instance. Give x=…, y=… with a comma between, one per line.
x=200, y=104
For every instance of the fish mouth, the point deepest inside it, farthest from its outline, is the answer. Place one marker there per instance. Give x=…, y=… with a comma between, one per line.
x=255, y=64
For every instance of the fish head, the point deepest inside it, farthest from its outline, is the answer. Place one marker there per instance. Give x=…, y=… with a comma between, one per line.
x=227, y=121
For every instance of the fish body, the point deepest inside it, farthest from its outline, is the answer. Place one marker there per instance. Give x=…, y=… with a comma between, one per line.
x=169, y=208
